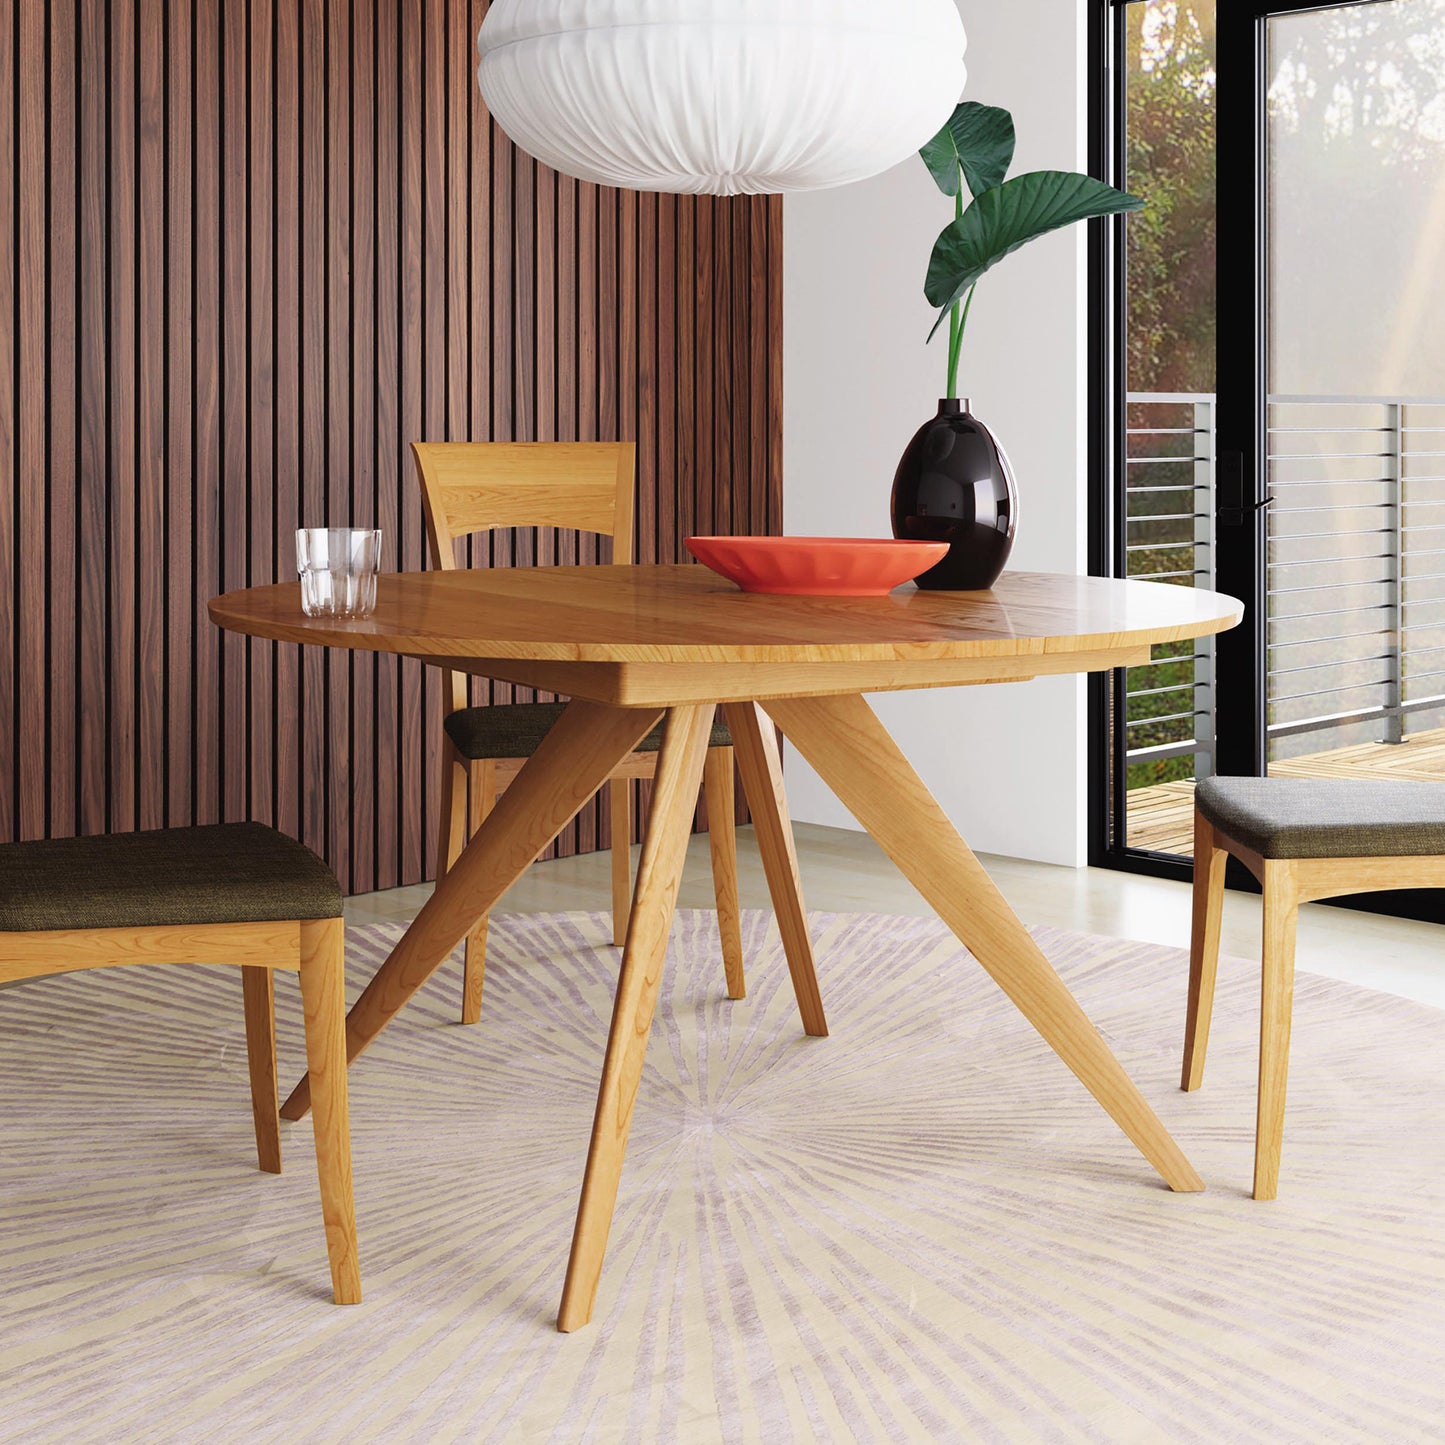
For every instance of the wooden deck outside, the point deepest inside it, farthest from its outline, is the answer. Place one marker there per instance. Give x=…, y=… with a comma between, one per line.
x=1161, y=818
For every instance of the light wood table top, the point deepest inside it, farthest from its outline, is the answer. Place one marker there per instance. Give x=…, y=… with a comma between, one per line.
x=630, y=645
x=688, y=614
x=627, y=624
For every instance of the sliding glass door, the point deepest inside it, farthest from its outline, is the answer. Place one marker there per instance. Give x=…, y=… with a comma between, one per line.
x=1303, y=469
x=1340, y=412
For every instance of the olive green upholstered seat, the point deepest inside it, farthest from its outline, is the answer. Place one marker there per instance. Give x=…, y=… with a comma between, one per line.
x=1298, y=818
x=237, y=894
x=225, y=873
x=516, y=730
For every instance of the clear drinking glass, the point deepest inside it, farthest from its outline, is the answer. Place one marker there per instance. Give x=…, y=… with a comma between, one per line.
x=338, y=567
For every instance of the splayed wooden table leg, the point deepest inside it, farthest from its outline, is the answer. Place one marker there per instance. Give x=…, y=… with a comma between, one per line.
x=852, y=752
x=587, y=743
x=674, y=797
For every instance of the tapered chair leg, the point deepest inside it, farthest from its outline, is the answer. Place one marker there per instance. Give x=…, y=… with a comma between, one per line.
x=619, y=814
x=452, y=837
x=1281, y=912
x=259, y=994
x=452, y=819
x=474, y=969
x=722, y=839
x=323, y=996
x=1210, y=862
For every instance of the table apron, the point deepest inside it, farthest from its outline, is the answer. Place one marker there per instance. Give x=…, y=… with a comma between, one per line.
x=666, y=684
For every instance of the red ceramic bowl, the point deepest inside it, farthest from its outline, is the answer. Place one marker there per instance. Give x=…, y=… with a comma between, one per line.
x=816, y=566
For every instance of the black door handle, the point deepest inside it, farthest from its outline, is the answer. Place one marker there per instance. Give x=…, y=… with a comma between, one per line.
x=1232, y=509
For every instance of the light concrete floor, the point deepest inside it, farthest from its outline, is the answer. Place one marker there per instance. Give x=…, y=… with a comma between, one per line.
x=845, y=872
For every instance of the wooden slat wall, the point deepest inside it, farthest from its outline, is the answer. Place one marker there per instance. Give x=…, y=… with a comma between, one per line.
x=249, y=249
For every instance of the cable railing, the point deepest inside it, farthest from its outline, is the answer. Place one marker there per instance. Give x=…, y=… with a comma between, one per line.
x=1356, y=580
x=1169, y=537
x=1355, y=573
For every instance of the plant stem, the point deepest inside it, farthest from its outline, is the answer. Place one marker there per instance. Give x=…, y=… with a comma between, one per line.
x=956, y=326
x=955, y=323
x=951, y=380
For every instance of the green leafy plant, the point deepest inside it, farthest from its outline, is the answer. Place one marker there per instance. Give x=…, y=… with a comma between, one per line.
x=975, y=150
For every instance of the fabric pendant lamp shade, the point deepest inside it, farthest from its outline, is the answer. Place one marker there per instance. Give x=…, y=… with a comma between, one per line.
x=721, y=97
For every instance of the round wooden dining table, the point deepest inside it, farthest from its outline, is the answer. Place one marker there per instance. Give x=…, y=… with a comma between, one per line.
x=632, y=645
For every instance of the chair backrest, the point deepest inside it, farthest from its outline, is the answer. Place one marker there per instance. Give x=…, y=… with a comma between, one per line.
x=471, y=487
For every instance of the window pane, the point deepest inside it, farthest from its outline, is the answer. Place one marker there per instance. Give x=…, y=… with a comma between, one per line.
x=1357, y=201
x=1171, y=164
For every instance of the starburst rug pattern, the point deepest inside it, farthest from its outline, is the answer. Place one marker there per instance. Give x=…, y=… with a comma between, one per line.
x=920, y=1228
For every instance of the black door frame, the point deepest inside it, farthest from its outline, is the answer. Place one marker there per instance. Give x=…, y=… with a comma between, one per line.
x=1108, y=382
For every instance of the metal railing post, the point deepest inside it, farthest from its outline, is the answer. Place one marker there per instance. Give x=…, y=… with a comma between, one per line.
x=1204, y=524
x=1395, y=573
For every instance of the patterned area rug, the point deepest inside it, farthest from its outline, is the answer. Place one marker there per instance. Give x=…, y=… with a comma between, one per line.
x=921, y=1228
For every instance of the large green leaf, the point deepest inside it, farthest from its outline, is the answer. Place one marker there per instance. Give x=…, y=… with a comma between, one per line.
x=978, y=138
x=1009, y=216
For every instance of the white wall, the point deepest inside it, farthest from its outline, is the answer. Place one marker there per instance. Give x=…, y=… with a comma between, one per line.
x=1007, y=763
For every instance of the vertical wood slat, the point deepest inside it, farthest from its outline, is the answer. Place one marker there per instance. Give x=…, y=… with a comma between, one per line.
x=315, y=713
x=663, y=288
x=416, y=859
x=390, y=455
x=338, y=253
x=705, y=332
x=684, y=310
x=362, y=510
x=433, y=115
x=125, y=662
x=150, y=427
x=250, y=249
x=479, y=382
x=61, y=574
x=31, y=412
x=613, y=296
x=460, y=262
x=591, y=822
x=9, y=259
x=498, y=548
x=261, y=699
x=756, y=218
x=180, y=733
x=286, y=435
x=206, y=410
x=738, y=350
x=237, y=747
x=637, y=363
x=525, y=551
x=93, y=782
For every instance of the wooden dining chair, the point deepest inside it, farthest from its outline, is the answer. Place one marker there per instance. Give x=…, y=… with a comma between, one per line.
x=471, y=487
x=236, y=893
x=1303, y=839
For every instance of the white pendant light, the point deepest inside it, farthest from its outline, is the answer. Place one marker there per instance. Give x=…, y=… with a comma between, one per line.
x=721, y=97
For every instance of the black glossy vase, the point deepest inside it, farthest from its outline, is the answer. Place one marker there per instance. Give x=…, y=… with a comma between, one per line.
x=955, y=485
